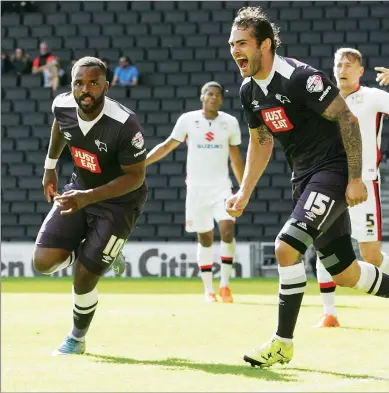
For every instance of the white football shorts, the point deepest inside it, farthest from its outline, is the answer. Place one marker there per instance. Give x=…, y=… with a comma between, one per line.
x=366, y=224
x=204, y=206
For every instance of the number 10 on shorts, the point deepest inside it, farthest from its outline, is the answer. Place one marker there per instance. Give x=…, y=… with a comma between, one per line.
x=112, y=249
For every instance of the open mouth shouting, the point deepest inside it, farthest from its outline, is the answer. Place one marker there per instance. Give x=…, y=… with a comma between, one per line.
x=242, y=63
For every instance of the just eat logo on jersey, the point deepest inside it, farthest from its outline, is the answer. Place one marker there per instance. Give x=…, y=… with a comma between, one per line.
x=276, y=119
x=85, y=160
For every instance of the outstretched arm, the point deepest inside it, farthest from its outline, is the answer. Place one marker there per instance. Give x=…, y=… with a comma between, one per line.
x=382, y=76
x=161, y=150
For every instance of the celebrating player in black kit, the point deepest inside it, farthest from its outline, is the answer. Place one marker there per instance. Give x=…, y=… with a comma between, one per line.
x=291, y=101
x=93, y=218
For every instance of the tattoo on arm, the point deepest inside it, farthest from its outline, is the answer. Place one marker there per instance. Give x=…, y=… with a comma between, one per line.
x=264, y=135
x=351, y=134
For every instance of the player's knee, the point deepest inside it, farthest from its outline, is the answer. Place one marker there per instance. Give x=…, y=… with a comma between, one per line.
x=205, y=239
x=45, y=260
x=227, y=236
x=285, y=254
x=371, y=254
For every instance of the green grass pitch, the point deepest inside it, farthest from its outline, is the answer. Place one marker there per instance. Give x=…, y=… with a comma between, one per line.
x=157, y=335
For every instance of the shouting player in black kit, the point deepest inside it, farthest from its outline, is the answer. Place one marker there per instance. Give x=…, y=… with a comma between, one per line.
x=93, y=218
x=291, y=101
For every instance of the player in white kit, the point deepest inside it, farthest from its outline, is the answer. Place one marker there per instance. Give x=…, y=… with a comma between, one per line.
x=212, y=137
x=369, y=105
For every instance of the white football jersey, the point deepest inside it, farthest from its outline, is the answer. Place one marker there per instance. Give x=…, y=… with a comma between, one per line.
x=369, y=105
x=208, y=147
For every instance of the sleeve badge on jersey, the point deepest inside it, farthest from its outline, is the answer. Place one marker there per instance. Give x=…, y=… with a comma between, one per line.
x=138, y=140
x=314, y=84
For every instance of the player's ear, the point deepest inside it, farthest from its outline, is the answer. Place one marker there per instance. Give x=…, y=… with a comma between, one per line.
x=266, y=45
x=361, y=71
x=202, y=98
x=106, y=87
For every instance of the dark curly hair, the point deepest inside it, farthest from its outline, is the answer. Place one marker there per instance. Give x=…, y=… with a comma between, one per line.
x=255, y=18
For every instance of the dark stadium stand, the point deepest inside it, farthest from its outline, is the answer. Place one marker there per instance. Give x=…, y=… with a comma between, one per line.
x=177, y=47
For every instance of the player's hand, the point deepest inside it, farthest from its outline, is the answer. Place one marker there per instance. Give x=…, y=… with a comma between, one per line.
x=382, y=76
x=71, y=201
x=50, y=183
x=356, y=192
x=236, y=204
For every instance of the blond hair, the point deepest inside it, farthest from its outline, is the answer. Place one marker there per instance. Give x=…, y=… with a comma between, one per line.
x=351, y=54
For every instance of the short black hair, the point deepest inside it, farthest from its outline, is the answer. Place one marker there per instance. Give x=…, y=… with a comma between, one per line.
x=212, y=84
x=255, y=18
x=90, y=61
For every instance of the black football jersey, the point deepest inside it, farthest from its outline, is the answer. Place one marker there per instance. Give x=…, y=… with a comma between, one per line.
x=290, y=103
x=101, y=146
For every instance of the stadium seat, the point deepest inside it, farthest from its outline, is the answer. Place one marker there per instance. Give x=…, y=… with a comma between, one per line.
x=175, y=17
x=65, y=31
x=30, y=144
x=115, y=30
x=18, y=32
x=162, y=29
x=10, y=19
x=31, y=183
x=249, y=231
x=70, y=7
x=108, y=53
x=102, y=42
x=159, y=218
x=17, y=231
x=80, y=18
x=117, y=6
x=102, y=18
x=196, y=41
x=185, y=28
x=31, y=219
x=6, y=106
x=149, y=105
x=23, y=207
x=36, y=157
x=209, y=28
x=39, y=94
x=169, y=230
x=142, y=232
x=95, y=6
x=40, y=31
x=54, y=43
x=12, y=195
x=222, y=16
x=75, y=42
x=8, y=219
x=57, y=18
x=42, y=207
x=129, y=19
x=33, y=19
x=154, y=206
x=32, y=119
x=146, y=67
x=11, y=157
x=30, y=81
x=10, y=119
x=25, y=106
